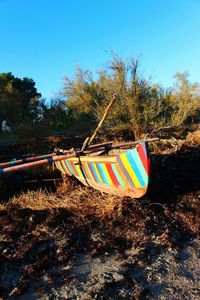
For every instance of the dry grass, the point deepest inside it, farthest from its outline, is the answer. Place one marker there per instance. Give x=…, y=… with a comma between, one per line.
x=172, y=143
x=194, y=137
x=81, y=202
x=2, y=207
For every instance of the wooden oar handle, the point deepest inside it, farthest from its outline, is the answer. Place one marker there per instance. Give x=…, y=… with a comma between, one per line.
x=24, y=160
x=102, y=119
x=126, y=144
x=34, y=158
x=70, y=153
x=89, y=140
x=49, y=160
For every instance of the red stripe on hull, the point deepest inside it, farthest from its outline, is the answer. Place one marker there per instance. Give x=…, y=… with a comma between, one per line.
x=112, y=175
x=143, y=156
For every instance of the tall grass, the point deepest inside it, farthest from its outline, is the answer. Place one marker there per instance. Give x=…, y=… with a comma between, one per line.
x=80, y=202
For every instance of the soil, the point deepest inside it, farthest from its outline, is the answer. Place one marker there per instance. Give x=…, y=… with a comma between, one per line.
x=144, y=249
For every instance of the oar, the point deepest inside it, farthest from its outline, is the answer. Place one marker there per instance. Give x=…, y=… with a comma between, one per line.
x=24, y=160
x=49, y=160
x=89, y=140
x=70, y=153
x=112, y=145
x=129, y=144
x=43, y=156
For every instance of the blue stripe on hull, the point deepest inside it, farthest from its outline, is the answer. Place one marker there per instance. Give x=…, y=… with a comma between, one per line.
x=117, y=175
x=69, y=167
x=140, y=166
x=102, y=173
x=135, y=168
x=94, y=171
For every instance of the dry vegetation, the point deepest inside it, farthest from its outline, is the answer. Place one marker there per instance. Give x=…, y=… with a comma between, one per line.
x=77, y=243
x=81, y=203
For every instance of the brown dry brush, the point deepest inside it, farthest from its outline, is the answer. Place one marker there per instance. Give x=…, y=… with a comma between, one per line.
x=85, y=207
x=41, y=230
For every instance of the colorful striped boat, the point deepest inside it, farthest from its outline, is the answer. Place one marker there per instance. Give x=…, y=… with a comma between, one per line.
x=124, y=174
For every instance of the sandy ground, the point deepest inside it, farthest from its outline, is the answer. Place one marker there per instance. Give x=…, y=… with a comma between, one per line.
x=162, y=274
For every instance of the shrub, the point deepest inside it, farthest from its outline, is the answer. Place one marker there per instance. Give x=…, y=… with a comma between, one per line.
x=139, y=105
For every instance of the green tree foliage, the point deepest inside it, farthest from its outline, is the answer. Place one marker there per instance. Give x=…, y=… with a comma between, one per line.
x=140, y=106
x=54, y=116
x=18, y=98
x=185, y=98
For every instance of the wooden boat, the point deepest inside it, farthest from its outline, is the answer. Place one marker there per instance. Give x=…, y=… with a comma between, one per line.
x=123, y=174
x=107, y=167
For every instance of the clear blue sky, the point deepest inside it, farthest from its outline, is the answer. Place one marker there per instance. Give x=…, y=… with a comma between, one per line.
x=46, y=39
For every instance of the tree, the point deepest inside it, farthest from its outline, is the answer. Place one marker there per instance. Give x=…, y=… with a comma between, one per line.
x=139, y=107
x=55, y=115
x=185, y=98
x=18, y=98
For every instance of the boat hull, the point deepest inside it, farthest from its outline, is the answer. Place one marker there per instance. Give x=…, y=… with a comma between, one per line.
x=124, y=174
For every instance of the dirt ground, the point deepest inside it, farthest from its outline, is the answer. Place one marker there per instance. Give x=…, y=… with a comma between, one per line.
x=76, y=243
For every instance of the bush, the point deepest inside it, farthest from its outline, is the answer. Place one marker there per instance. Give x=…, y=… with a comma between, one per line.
x=141, y=107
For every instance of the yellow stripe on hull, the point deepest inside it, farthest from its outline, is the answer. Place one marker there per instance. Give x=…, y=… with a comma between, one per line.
x=78, y=169
x=129, y=169
x=59, y=166
x=94, y=159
